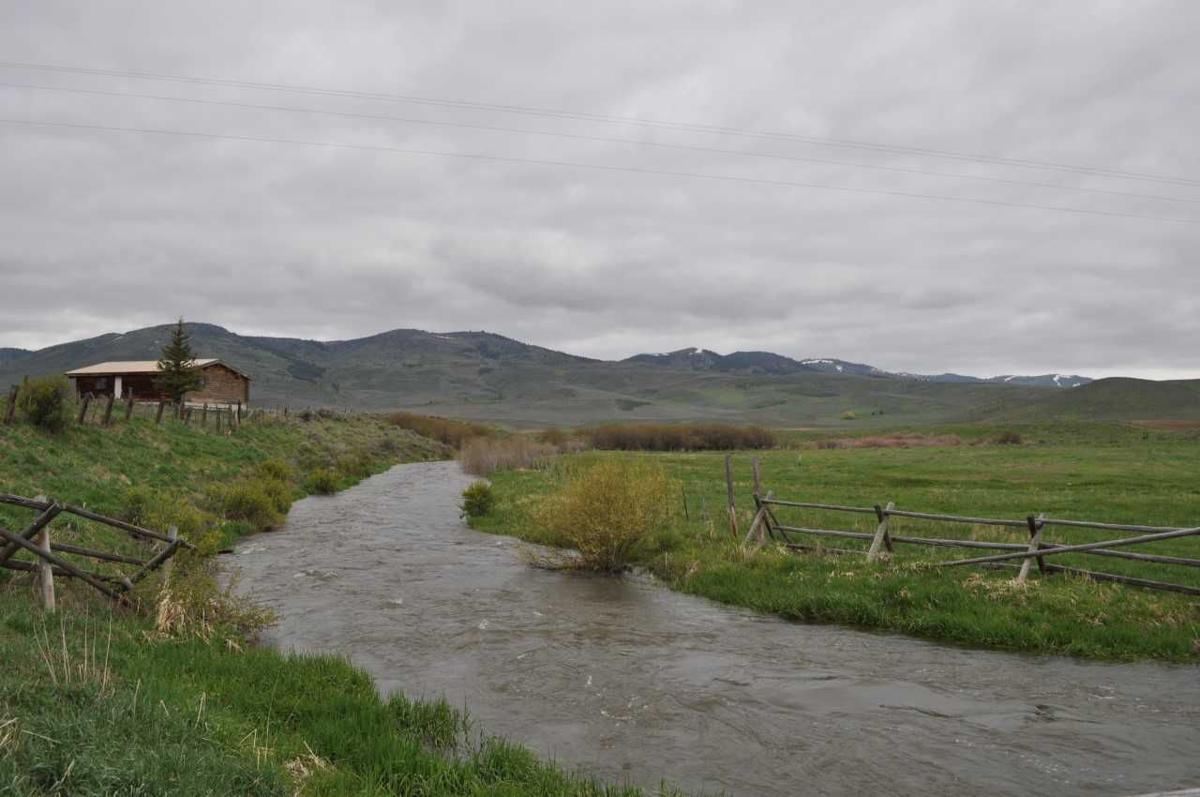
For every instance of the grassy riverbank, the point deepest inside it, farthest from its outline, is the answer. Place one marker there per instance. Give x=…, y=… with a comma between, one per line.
x=96, y=702
x=1105, y=473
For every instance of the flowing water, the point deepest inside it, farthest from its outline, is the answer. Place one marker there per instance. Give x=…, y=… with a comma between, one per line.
x=633, y=682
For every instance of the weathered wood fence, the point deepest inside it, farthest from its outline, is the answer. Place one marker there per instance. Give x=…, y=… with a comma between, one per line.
x=48, y=563
x=100, y=410
x=1038, y=549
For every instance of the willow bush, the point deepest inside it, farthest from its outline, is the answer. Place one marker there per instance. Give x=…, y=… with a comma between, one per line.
x=607, y=511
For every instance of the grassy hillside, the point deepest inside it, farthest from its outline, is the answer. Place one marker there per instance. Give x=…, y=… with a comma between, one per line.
x=1114, y=399
x=485, y=376
x=171, y=698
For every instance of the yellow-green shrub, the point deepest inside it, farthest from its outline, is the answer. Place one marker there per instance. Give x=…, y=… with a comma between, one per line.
x=478, y=499
x=276, y=469
x=607, y=511
x=256, y=501
x=323, y=481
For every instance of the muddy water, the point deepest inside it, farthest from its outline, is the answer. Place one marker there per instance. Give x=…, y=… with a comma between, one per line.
x=631, y=681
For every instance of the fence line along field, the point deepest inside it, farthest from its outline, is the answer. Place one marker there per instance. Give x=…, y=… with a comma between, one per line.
x=1104, y=474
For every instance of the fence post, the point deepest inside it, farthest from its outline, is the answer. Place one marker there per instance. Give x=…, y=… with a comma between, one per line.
x=83, y=408
x=1036, y=524
x=218, y=415
x=882, y=535
x=108, y=409
x=169, y=565
x=45, y=570
x=239, y=413
x=204, y=416
x=11, y=410
x=129, y=406
x=732, y=507
x=162, y=403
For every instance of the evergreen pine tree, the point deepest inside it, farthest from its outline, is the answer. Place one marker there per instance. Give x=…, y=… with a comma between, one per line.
x=176, y=373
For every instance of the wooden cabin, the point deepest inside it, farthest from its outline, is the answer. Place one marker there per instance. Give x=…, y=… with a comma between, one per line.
x=223, y=384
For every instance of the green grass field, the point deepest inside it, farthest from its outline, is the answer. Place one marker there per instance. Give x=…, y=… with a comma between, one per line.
x=100, y=702
x=1095, y=472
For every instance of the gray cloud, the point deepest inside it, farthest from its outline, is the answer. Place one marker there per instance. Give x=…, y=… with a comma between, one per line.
x=105, y=231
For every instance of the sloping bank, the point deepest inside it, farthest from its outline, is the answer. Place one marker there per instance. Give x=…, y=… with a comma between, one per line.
x=171, y=699
x=981, y=609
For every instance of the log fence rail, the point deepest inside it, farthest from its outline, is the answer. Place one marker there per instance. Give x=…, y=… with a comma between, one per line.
x=47, y=561
x=1037, y=550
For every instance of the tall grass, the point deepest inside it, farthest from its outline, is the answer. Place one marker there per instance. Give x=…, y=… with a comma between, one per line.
x=143, y=715
x=678, y=437
x=483, y=456
x=606, y=511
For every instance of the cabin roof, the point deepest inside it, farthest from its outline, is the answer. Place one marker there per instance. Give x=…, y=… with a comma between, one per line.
x=120, y=367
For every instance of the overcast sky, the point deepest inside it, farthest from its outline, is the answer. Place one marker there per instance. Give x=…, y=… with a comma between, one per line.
x=110, y=230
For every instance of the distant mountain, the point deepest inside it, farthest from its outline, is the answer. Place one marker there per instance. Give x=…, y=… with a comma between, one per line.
x=1044, y=380
x=763, y=362
x=1115, y=398
x=13, y=355
x=492, y=377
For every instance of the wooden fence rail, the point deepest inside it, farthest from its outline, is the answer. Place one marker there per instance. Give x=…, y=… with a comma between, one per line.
x=1036, y=550
x=47, y=563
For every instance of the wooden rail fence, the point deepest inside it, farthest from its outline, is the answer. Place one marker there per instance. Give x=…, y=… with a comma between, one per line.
x=47, y=563
x=883, y=540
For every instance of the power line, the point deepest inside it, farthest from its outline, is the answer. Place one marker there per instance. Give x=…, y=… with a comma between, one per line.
x=610, y=119
x=595, y=167
x=601, y=139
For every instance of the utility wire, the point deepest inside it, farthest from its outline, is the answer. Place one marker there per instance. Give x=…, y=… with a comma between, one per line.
x=601, y=139
x=608, y=119
x=593, y=166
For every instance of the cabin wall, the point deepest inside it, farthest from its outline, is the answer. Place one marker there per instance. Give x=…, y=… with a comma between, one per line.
x=222, y=385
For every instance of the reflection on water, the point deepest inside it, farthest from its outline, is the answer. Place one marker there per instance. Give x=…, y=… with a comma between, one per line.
x=633, y=682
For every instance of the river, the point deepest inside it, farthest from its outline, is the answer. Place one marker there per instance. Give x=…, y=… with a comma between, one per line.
x=631, y=682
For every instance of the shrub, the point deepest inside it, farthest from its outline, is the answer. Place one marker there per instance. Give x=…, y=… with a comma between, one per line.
x=606, y=511
x=276, y=469
x=43, y=402
x=323, y=481
x=254, y=501
x=158, y=511
x=445, y=430
x=358, y=465
x=280, y=493
x=484, y=456
x=1009, y=439
x=553, y=437
x=478, y=499
x=678, y=437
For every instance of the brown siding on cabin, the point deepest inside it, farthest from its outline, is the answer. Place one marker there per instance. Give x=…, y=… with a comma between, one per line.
x=222, y=385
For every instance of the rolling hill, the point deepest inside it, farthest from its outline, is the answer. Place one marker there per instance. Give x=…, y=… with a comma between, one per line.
x=487, y=376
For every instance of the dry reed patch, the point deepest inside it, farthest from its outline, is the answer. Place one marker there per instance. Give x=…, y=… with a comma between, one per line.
x=1170, y=425
x=483, y=456
x=303, y=767
x=605, y=511
x=678, y=437
x=10, y=731
x=892, y=441
x=452, y=432
x=68, y=665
